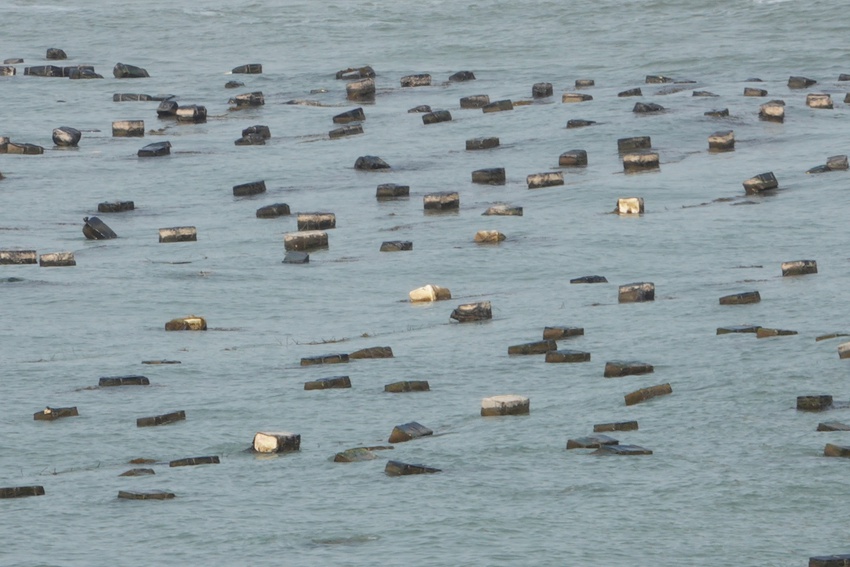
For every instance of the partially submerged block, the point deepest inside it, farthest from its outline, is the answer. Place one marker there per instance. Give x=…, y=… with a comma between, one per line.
x=536, y=347
x=163, y=419
x=488, y=237
x=248, y=189
x=830, y=561
x=135, y=380
x=502, y=209
x=629, y=206
x=461, y=76
x=831, y=450
x=630, y=92
x=243, y=100
x=573, y=158
x=363, y=89
x=475, y=101
x=51, y=414
x=616, y=426
x=116, y=207
x=370, y=163
x=591, y=442
x=619, y=368
x=441, y=201
x=128, y=128
x=482, y=143
x=349, y=130
x=408, y=431
x=719, y=113
x=396, y=468
x=498, y=106
x=194, y=113
x=420, y=80
x=372, y=352
x=470, y=312
x=295, y=257
x=741, y=298
x=584, y=83
x=833, y=426
x=773, y=111
x=564, y=355
x=657, y=79
x=178, y=234
x=316, y=221
x=430, y=292
x=799, y=267
x=557, y=333
x=722, y=141
x=541, y=90
x=21, y=491
x=628, y=450
x=96, y=229
x=389, y=191
x=547, y=179
x=646, y=107
x=123, y=71
x=436, y=116
x=640, y=161
x=273, y=211
x=24, y=149
x=57, y=259
x=489, y=176
x=589, y=280
x=167, y=108
x=764, y=332
x=575, y=97
x=761, y=182
x=636, y=292
x=647, y=394
x=157, y=149
x=258, y=129
x=634, y=143
x=396, y=246
x=138, y=472
x=797, y=82
x=66, y=136
x=408, y=386
x=509, y=404
x=56, y=54
x=339, y=358
x=355, y=455
x=753, y=91
x=844, y=350
x=276, y=442
x=814, y=403
x=249, y=69
x=305, y=240
x=190, y=323
x=44, y=71
x=356, y=73
x=192, y=461
x=149, y=495
x=819, y=100
x=579, y=123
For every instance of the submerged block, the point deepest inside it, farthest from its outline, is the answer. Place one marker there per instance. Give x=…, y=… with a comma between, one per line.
x=831, y=450
x=396, y=468
x=110, y=381
x=248, y=189
x=56, y=54
x=157, y=149
x=721, y=113
x=316, y=221
x=618, y=368
x=44, y=71
x=244, y=100
x=149, y=495
x=752, y=91
x=579, y=123
x=584, y=83
x=51, y=414
x=561, y=355
x=190, y=323
x=408, y=431
x=630, y=92
x=19, y=148
x=799, y=268
x=178, y=234
x=482, y=143
x=355, y=455
x=509, y=404
x=497, y=106
x=575, y=97
x=167, y=108
x=547, y=179
x=796, y=82
x=640, y=161
x=408, y=386
x=503, y=210
x=356, y=73
x=833, y=426
x=657, y=79
x=647, y=394
x=830, y=561
x=616, y=426
x=138, y=472
x=741, y=298
x=621, y=450
x=192, y=461
x=250, y=140
x=441, y=201
x=163, y=419
x=558, y=333
x=21, y=491
x=57, y=259
x=844, y=350
x=294, y=257
x=646, y=107
x=249, y=69
x=764, y=332
x=396, y=246
x=591, y=442
x=370, y=163
x=430, y=292
x=388, y=191
x=814, y=403
x=128, y=128
x=350, y=130
x=340, y=358
x=273, y=211
x=636, y=292
x=305, y=240
x=489, y=176
x=462, y=76
x=276, y=442
x=589, y=280
x=470, y=312
x=536, y=347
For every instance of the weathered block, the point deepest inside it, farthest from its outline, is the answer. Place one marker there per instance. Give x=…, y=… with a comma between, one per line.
x=498, y=106
x=579, y=123
x=421, y=80
x=408, y=431
x=333, y=382
x=370, y=163
x=722, y=141
x=573, y=158
x=509, y=404
x=436, y=116
x=122, y=71
x=800, y=82
x=372, y=352
x=489, y=176
x=13, y=61
x=635, y=143
x=703, y=94
x=837, y=163
x=619, y=368
x=720, y=113
x=441, y=201
x=833, y=426
x=818, y=100
x=503, y=210
x=814, y=403
x=636, y=292
x=19, y=148
x=488, y=237
x=647, y=394
x=356, y=73
x=305, y=240
x=396, y=246
x=584, y=83
x=128, y=128
x=295, y=257
x=248, y=189
x=541, y=90
x=646, y=107
x=482, y=143
x=752, y=91
x=138, y=472
x=575, y=97
x=589, y=280
x=656, y=79
x=51, y=414
x=348, y=116
x=55, y=53
x=844, y=350
x=738, y=329
x=563, y=355
x=470, y=312
x=536, y=347
x=116, y=207
x=190, y=323
x=462, y=76
x=244, y=100
x=57, y=259
x=273, y=211
x=408, y=386
x=430, y=292
x=7, y=71
x=389, y=191
x=18, y=257
x=66, y=136
x=640, y=161
x=830, y=561
x=761, y=182
x=621, y=450
x=741, y=298
x=163, y=419
x=363, y=89
x=773, y=111
x=630, y=92
x=799, y=267
x=475, y=101
x=316, y=221
x=764, y=332
x=616, y=426
x=178, y=234
x=81, y=72
x=161, y=361
x=419, y=109
x=276, y=442
x=558, y=333
x=194, y=113
x=96, y=229
x=21, y=491
x=396, y=468
x=830, y=336
x=167, y=108
x=192, y=461
x=135, y=380
x=149, y=495
x=547, y=179
x=131, y=97
x=629, y=206
x=831, y=450
x=44, y=71
x=591, y=442
x=250, y=140
x=340, y=358
x=157, y=149
x=249, y=69
x=356, y=455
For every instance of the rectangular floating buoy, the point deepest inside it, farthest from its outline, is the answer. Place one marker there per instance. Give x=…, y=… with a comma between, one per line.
x=509, y=404
x=276, y=442
x=408, y=386
x=163, y=419
x=328, y=383
x=178, y=234
x=21, y=491
x=110, y=381
x=18, y=257
x=56, y=259
x=193, y=461
x=248, y=189
x=325, y=359
x=51, y=414
x=647, y=394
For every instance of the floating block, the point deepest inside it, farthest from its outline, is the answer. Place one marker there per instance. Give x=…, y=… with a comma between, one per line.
x=364, y=89
x=557, y=333
x=589, y=280
x=536, y=347
x=192, y=461
x=150, y=495
x=178, y=234
x=636, y=292
x=764, y=332
x=122, y=71
x=421, y=80
x=836, y=451
x=110, y=381
x=21, y=491
x=640, y=161
x=799, y=268
x=276, y=442
x=498, y=106
x=305, y=240
x=57, y=259
x=66, y=136
x=96, y=229
x=273, y=211
x=163, y=419
x=621, y=450
x=548, y=179
x=462, y=76
x=138, y=472
x=470, y=312
x=541, y=90
x=128, y=128
x=800, y=82
x=475, y=101
x=316, y=221
x=741, y=298
x=630, y=92
x=634, y=143
x=488, y=237
x=573, y=158
x=722, y=141
x=503, y=210
x=372, y=352
x=430, y=292
x=24, y=149
x=591, y=442
x=579, y=123
x=814, y=403
x=408, y=431
x=738, y=329
x=482, y=143
x=509, y=404
x=18, y=257
x=408, y=386
x=396, y=468
x=294, y=257
x=442, y=201
x=833, y=426
x=489, y=176
x=325, y=359
x=647, y=394
x=51, y=414
x=567, y=356
x=157, y=149
x=116, y=207
x=190, y=323
x=752, y=91
x=351, y=130
x=370, y=163
x=396, y=246
x=245, y=100
x=844, y=350
x=647, y=107
x=773, y=111
x=436, y=116
x=618, y=368
x=389, y=191
x=575, y=97
x=616, y=426
x=630, y=206
x=819, y=101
